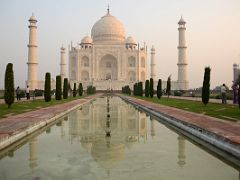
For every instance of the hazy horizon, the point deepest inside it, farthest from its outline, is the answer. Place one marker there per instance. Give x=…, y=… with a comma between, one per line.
x=213, y=34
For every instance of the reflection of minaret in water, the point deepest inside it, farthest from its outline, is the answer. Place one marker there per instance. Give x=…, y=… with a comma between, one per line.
x=62, y=130
x=181, y=151
x=153, y=132
x=33, y=153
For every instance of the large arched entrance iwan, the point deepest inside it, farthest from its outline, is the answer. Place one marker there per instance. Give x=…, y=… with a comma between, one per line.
x=108, y=68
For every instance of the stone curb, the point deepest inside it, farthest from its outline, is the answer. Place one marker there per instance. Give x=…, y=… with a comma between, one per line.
x=12, y=139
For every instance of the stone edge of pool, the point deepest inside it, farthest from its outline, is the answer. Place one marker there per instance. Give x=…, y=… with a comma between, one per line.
x=220, y=141
x=8, y=139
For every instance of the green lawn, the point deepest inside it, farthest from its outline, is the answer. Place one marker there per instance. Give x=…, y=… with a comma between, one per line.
x=25, y=106
x=226, y=112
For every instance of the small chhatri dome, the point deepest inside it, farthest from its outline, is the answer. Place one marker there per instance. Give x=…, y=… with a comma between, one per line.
x=131, y=41
x=108, y=28
x=235, y=65
x=87, y=40
x=153, y=48
x=33, y=18
x=181, y=21
x=62, y=48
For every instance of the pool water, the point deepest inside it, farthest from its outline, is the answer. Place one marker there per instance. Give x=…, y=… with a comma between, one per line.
x=110, y=139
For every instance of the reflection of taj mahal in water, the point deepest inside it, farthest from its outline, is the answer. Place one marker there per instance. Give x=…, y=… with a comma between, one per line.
x=87, y=126
x=127, y=126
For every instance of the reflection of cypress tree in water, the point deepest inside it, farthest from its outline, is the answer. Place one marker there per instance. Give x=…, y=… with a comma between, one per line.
x=59, y=123
x=48, y=131
x=33, y=153
x=153, y=131
x=181, y=151
x=108, y=127
x=65, y=118
x=11, y=153
x=62, y=130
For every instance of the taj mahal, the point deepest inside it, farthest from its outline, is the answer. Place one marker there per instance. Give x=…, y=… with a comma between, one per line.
x=108, y=59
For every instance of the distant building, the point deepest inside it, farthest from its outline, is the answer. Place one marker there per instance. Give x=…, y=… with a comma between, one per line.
x=236, y=72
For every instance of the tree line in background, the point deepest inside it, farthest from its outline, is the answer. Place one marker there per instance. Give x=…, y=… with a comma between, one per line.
x=148, y=90
x=59, y=93
x=9, y=90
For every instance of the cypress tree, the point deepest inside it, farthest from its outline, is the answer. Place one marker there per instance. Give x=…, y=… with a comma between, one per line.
x=159, y=89
x=140, y=89
x=47, y=87
x=58, y=95
x=128, y=91
x=74, y=90
x=239, y=91
x=135, y=89
x=206, y=86
x=80, y=89
x=69, y=88
x=151, y=90
x=9, y=85
x=65, y=88
x=147, y=88
x=168, y=90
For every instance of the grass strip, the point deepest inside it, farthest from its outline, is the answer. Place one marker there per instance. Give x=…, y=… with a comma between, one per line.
x=222, y=111
x=26, y=106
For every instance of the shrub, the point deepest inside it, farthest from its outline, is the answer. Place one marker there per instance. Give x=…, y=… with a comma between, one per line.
x=9, y=85
x=58, y=95
x=38, y=92
x=47, y=87
x=177, y=93
x=22, y=94
x=91, y=90
x=65, y=88
x=126, y=90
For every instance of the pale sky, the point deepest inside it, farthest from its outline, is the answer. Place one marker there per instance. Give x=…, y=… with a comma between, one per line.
x=213, y=33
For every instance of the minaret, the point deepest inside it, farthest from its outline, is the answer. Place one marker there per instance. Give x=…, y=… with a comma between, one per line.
x=153, y=64
x=63, y=64
x=235, y=72
x=183, y=83
x=32, y=79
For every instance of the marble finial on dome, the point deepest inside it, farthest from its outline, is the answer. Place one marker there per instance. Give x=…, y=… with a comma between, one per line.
x=108, y=9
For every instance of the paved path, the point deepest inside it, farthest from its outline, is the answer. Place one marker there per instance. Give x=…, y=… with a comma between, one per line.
x=14, y=125
x=228, y=130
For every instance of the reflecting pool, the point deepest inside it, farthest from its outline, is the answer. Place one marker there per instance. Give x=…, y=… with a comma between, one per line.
x=110, y=139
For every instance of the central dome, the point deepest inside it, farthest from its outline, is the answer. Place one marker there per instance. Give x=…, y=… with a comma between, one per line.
x=108, y=28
